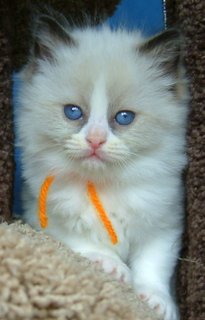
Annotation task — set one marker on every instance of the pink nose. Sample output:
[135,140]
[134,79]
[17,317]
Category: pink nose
[96,142]
[96,138]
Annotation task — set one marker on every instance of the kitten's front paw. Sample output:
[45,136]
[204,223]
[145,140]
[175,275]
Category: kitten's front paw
[162,303]
[110,265]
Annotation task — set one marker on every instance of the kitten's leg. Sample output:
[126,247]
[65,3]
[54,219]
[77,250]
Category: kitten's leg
[107,259]
[152,270]
[110,264]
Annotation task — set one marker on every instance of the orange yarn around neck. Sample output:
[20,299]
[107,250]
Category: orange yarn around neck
[42,202]
[102,214]
[92,193]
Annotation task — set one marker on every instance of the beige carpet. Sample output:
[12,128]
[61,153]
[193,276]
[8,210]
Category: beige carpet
[42,279]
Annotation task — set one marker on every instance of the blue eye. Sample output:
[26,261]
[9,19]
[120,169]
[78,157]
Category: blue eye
[124,117]
[73,112]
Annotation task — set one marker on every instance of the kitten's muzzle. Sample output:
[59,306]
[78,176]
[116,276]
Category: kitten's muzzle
[96,138]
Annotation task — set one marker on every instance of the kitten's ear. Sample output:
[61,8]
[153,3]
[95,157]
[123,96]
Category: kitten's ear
[165,48]
[50,31]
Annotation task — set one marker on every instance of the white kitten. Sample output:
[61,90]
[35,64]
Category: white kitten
[110,107]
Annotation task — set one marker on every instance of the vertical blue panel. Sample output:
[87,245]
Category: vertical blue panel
[141,14]
[17,208]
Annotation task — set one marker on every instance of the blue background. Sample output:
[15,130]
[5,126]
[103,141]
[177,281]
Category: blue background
[146,15]
[141,14]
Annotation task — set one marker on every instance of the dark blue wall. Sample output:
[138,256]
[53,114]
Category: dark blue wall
[146,15]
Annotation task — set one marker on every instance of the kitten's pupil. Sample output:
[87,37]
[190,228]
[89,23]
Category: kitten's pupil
[124,117]
[73,112]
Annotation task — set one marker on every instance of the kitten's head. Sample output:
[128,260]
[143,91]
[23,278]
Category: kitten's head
[95,100]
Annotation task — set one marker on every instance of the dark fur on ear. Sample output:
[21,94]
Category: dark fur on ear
[166,49]
[50,28]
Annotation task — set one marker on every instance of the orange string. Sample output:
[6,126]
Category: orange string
[93,197]
[43,201]
[102,214]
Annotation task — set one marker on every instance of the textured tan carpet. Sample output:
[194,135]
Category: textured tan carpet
[41,279]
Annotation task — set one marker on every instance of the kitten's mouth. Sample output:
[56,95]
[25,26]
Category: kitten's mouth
[93,161]
[95,156]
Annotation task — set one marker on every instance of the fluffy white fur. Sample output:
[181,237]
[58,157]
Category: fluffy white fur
[138,172]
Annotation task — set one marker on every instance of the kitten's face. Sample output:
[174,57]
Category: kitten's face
[96,103]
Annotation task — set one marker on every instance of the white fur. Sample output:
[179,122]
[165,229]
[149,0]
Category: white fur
[139,177]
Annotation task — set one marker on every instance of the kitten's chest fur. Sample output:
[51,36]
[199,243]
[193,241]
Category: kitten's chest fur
[76,207]
[127,206]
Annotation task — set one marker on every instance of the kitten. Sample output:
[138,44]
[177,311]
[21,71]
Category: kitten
[109,107]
